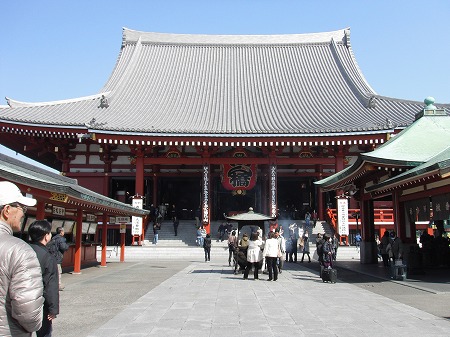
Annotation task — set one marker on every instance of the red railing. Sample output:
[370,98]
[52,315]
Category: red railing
[382,216]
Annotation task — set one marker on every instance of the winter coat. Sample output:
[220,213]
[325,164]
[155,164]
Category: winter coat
[397,248]
[254,253]
[384,244]
[328,251]
[207,243]
[50,278]
[305,244]
[61,245]
[271,248]
[21,282]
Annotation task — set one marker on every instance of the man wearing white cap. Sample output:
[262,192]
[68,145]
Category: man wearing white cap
[21,286]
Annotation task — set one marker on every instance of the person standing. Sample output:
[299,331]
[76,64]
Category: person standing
[281,248]
[396,247]
[176,223]
[327,252]
[319,248]
[306,247]
[307,220]
[358,240]
[271,253]
[21,289]
[383,248]
[40,234]
[207,247]
[232,245]
[155,233]
[254,256]
[57,247]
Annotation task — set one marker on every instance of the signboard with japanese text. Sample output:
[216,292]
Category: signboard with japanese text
[58,211]
[136,225]
[342,212]
[136,221]
[122,219]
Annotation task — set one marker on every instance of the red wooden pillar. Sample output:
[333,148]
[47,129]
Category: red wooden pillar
[320,209]
[40,210]
[78,235]
[155,191]
[122,247]
[104,238]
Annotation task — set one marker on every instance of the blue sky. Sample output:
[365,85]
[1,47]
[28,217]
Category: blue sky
[54,50]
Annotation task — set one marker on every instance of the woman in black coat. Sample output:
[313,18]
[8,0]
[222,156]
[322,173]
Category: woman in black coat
[40,234]
[207,247]
[328,252]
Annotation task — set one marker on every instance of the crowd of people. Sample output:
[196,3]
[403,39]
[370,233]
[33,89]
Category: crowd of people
[268,254]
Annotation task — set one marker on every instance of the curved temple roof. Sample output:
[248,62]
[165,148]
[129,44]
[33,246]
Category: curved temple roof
[228,85]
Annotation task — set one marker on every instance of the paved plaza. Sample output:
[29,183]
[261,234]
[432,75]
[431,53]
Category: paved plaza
[193,298]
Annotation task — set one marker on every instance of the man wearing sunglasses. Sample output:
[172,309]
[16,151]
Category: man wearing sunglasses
[21,287]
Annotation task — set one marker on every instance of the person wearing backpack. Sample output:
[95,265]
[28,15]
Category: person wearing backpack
[57,247]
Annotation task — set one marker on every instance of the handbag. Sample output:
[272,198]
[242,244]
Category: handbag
[398,262]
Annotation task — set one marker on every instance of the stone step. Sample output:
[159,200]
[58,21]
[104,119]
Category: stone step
[345,253]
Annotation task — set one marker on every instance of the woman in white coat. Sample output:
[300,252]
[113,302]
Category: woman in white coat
[271,253]
[254,256]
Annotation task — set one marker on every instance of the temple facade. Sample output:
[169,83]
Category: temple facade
[215,124]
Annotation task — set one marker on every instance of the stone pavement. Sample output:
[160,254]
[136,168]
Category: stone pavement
[191,298]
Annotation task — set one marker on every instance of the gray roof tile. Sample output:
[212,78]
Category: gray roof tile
[293,85]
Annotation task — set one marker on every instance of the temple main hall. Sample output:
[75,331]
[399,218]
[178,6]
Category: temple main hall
[215,124]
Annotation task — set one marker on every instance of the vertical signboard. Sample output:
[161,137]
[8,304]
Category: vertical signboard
[205,207]
[342,212]
[136,221]
[273,190]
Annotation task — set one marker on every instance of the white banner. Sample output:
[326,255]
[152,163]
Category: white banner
[342,214]
[136,221]
[136,225]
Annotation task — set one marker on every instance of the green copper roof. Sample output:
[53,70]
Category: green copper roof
[440,163]
[421,145]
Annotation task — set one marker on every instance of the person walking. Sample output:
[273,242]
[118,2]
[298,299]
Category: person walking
[57,247]
[305,247]
[40,234]
[207,247]
[254,256]
[271,253]
[21,288]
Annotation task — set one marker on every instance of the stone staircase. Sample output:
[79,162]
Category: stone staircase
[184,246]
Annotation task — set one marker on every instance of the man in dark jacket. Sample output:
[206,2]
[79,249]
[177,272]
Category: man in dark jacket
[57,247]
[40,234]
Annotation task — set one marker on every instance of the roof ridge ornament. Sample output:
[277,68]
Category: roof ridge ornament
[93,124]
[103,102]
[387,124]
[430,109]
[371,103]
